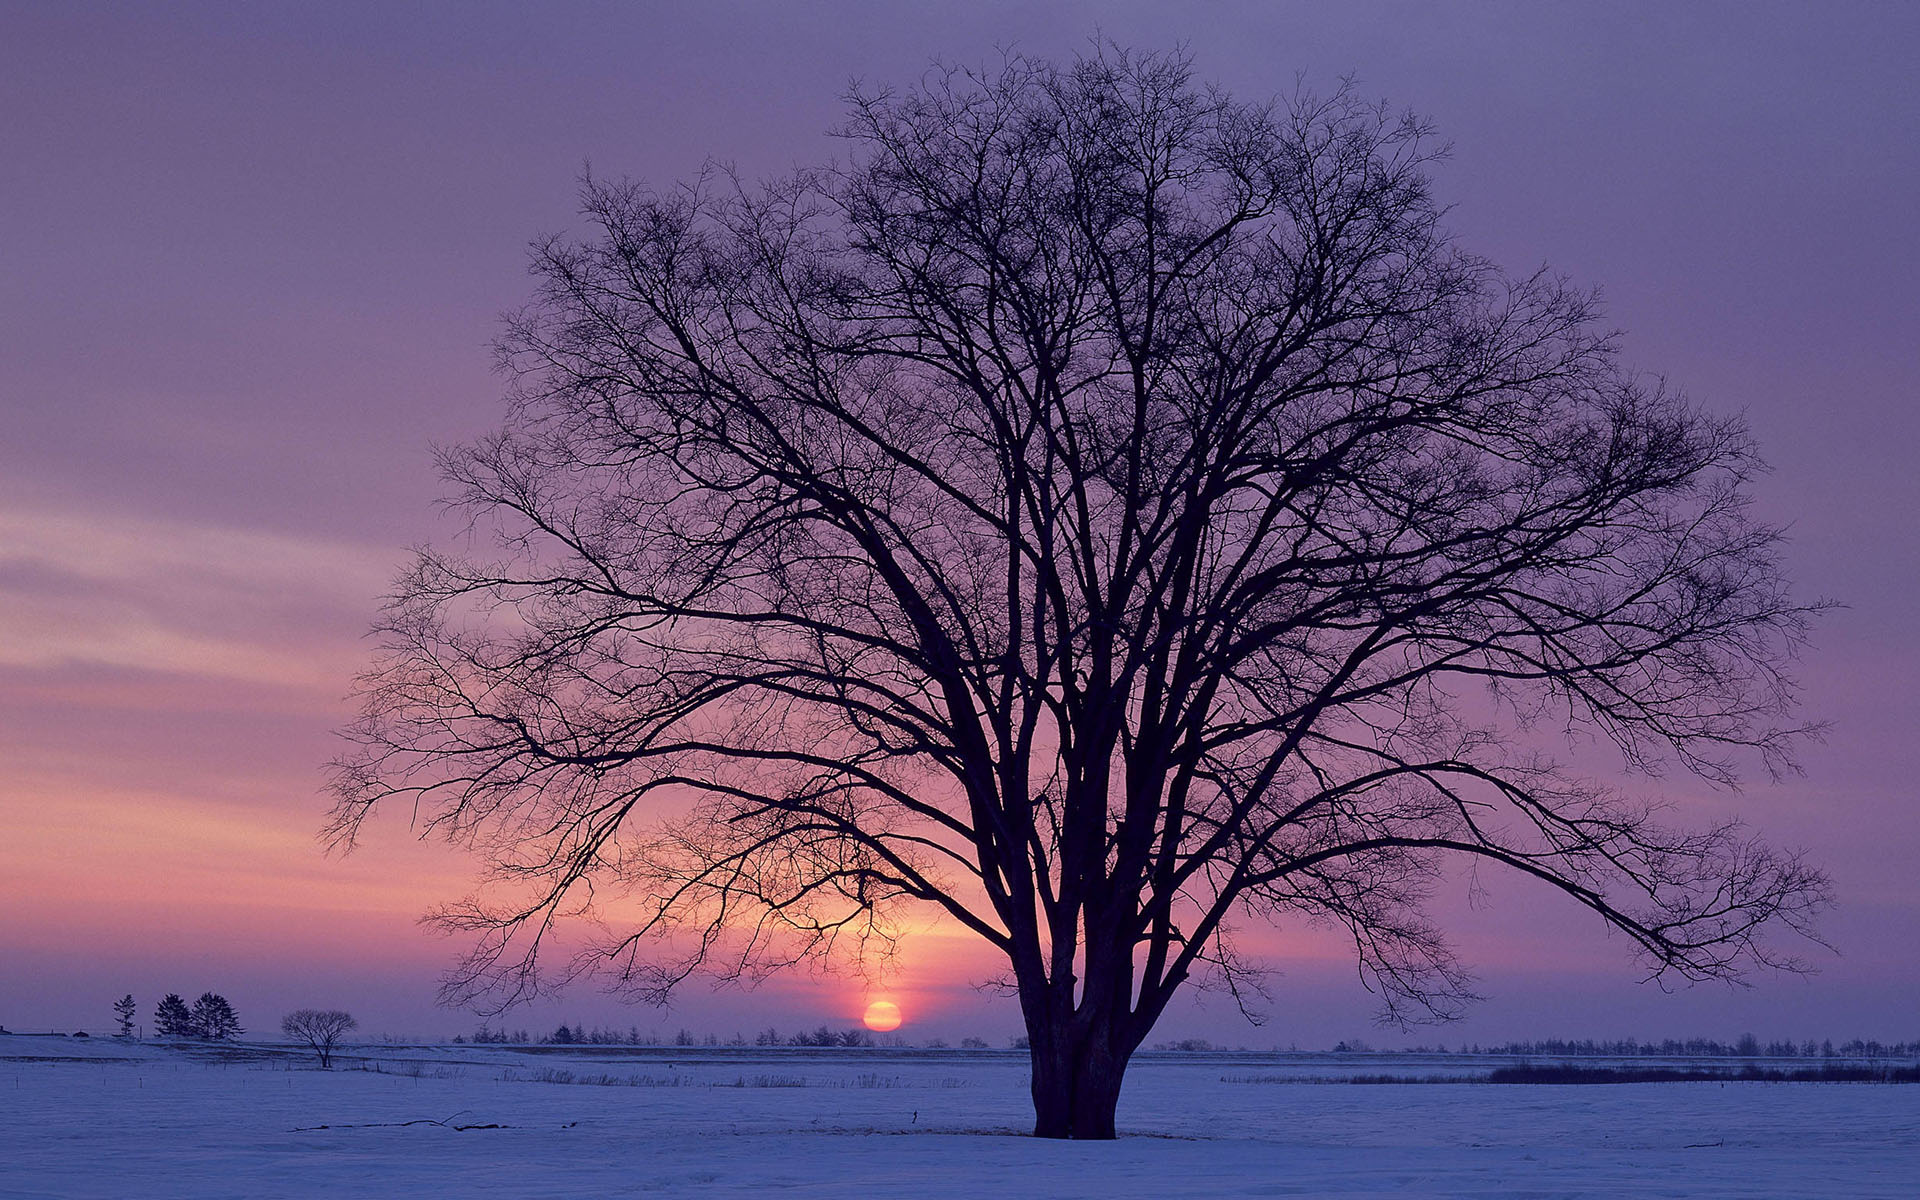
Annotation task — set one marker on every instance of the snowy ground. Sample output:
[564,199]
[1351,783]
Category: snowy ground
[104,1119]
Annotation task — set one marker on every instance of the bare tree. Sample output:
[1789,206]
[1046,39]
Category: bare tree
[320,1028]
[1098,511]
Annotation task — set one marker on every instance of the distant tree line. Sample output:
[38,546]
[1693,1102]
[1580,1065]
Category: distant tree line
[1838,1071]
[564,1035]
[581,1035]
[822,1036]
[1745,1046]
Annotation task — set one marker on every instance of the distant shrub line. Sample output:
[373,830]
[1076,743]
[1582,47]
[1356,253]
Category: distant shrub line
[822,1037]
[1826,1073]
[1567,1073]
[212,1018]
[1745,1046]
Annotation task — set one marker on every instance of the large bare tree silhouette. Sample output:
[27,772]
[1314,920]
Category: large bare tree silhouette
[1101,511]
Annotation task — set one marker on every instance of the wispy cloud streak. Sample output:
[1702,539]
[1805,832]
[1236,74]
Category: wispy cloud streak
[192,600]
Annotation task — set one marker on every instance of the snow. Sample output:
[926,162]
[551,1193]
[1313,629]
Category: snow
[100,1118]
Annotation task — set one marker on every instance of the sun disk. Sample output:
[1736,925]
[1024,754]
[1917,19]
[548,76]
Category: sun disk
[882,1016]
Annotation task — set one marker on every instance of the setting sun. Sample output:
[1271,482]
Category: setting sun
[882,1016]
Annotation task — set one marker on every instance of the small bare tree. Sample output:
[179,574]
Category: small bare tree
[1097,511]
[320,1028]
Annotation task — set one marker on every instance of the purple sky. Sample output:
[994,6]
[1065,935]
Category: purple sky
[252,258]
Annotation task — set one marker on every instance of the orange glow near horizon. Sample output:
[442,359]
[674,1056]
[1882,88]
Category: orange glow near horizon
[882,1016]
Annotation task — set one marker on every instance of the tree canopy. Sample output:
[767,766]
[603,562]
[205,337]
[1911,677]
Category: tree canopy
[1098,510]
[320,1029]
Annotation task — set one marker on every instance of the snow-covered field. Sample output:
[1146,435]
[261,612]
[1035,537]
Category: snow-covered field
[105,1119]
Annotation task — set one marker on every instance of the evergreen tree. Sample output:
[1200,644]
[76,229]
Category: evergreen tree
[171,1018]
[214,1019]
[123,1013]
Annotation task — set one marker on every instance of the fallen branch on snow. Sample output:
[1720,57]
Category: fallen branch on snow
[446,1124]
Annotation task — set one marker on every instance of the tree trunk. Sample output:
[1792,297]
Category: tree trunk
[1076,1086]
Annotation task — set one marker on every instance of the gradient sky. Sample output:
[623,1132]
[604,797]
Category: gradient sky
[251,258]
